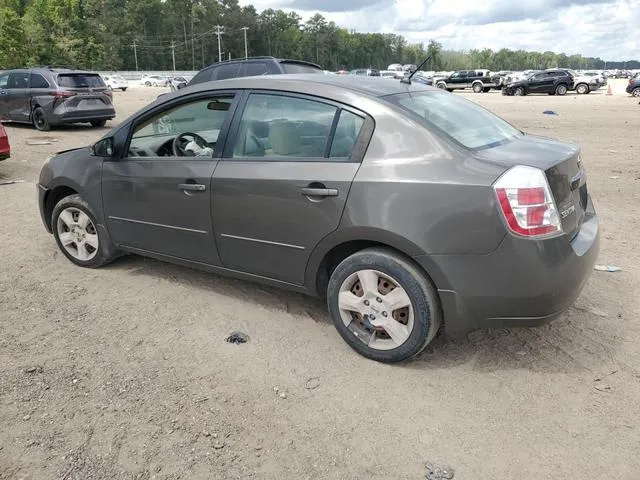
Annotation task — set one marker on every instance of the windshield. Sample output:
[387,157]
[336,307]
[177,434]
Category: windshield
[465,122]
[299,68]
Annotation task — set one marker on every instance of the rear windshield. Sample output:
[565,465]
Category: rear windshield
[465,122]
[80,80]
[299,68]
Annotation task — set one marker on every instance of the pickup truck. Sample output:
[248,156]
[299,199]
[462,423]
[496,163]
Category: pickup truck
[478,80]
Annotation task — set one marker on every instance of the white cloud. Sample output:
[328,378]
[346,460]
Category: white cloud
[604,28]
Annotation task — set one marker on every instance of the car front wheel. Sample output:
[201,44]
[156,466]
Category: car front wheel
[382,305]
[74,227]
[636,92]
[519,92]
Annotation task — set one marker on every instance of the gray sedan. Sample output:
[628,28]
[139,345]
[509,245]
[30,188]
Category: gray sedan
[408,208]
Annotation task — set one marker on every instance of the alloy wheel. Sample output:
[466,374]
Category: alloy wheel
[77,234]
[376,309]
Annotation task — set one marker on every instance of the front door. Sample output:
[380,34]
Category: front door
[158,197]
[18,97]
[539,82]
[283,182]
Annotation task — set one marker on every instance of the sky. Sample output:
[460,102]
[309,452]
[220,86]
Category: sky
[609,29]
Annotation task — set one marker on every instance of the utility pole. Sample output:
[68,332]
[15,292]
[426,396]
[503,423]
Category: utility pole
[193,48]
[218,33]
[246,54]
[173,54]
[135,53]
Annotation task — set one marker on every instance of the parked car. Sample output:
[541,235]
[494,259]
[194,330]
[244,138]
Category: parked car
[633,87]
[116,82]
[50,96]
[369,72]
[5,148]
[391,74]
[253,66]
[478,80]
[154,81]
[552,82]
[583,84]
[178,82]
[291,181]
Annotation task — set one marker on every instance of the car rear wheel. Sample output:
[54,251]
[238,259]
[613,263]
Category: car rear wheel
[74,227]
[40,120]
[561,90]
[636,92]
[99,123]
[382,305]
[477,87]
[518,92]
[582,88]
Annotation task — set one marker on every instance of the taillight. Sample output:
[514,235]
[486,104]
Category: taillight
[63,94]
[526,202]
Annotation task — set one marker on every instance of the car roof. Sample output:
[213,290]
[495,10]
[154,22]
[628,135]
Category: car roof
[371,86]
[252,59]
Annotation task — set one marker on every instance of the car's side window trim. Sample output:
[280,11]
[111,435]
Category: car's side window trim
[359,147]
[180,101]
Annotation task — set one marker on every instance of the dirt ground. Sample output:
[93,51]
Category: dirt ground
[123,372]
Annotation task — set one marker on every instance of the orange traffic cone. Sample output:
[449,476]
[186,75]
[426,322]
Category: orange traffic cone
[609,90]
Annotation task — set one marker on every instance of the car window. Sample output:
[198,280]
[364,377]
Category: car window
[227,71]
[18,80]
[345,136]
[281,127]
[465,122]
[80,80]
[202,117]
[38,81]
[291,67]
[253,69]
[4,79]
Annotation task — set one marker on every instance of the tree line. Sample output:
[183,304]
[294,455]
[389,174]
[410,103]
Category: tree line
[149,34]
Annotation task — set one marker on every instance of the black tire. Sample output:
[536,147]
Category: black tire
[635,92]
[582,89]
[519,92]
[105,252]
[486,89]
[449,90]
[561,89]
[40,120]
[147,84]
[551,93]
[441,85]
[477,87]
[98,123]
[124,89]
[422,294]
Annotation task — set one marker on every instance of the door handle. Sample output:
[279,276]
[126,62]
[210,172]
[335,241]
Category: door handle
[3,92]
[319,192]
[192,187]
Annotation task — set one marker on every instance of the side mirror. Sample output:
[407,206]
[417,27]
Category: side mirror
[181,85]
[104,148]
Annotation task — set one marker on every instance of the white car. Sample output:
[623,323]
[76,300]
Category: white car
[154,81]
[584,84]
[116,82]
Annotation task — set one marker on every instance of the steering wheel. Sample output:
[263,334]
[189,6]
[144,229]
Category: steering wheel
[181,141]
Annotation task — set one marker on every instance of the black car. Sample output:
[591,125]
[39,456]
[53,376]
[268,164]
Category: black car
[251,67]
[634,86]
[478,80]
[552,82]
[52,96]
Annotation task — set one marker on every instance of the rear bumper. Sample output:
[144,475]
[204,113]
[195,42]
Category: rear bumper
[522,283]
[631,88]
[62,114]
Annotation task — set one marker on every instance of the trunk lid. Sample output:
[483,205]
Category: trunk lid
[86,90]
[563,169]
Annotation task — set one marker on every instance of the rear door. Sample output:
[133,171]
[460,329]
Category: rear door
[18,99]
[87,91]
[283,181]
